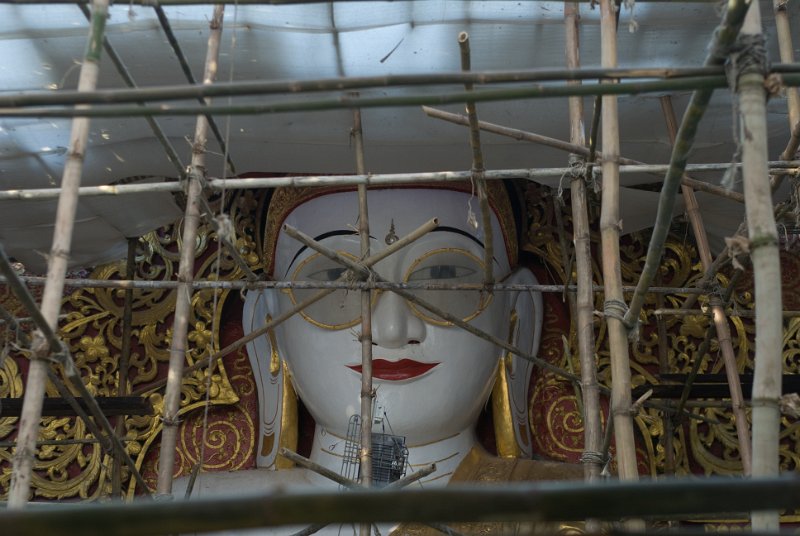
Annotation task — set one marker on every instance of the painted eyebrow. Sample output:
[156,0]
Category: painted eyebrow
[323,236]
[446,229]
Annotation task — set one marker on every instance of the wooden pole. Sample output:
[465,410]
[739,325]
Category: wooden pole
[764,253]
[172,395]
[592,458]
[24,455]
[720,319]
[612,274]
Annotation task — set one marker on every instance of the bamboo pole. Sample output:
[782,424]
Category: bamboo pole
[172,395]
[187,72]
[786,51]
[541,501]
[731,313]
[250,2]
[718,312]
[577,148]
[343,102]
[411,297]
[47,339]
[155,127]
[207,213]
[456,321]
[24,455]
[367,394]
[372,259]
[614,306]
[269,87]
[124,360]
[776,167]
[335,285]
[478,167]
[723,37]
[592,457]
[764,253]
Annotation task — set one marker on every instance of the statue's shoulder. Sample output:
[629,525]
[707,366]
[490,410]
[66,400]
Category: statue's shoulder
[258,480]
[480,466]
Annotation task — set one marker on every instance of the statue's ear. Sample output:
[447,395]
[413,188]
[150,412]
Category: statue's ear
[276,424]
[514,372]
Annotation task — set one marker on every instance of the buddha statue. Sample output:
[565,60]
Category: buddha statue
[431,379]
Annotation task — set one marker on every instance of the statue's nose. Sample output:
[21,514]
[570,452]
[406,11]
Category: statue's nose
[393,323]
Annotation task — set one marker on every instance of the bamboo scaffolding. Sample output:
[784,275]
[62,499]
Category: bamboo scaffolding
[172,395]
[543,501]
[155,127]
[267,87]
[478,168]
[702,350]
[385,179]
[786,51]
[207,213]
[614,305]
[334,285]
[723,38]
[729,312]
[724,256]
[256,2]
[24,455]
[357,267]
[718,312]
[576,148]
[124,359]
[51,346]
[592,457]
[163,20]
[456,321]
[372,259]
[365,337]
[764,253]
[428,98]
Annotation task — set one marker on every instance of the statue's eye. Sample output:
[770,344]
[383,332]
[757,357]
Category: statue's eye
[441,271]
[328,274]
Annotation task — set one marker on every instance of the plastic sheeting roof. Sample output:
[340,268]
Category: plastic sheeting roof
[43,47]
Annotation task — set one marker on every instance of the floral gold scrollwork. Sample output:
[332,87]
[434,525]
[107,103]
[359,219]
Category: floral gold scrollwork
[92,327]
[706,444]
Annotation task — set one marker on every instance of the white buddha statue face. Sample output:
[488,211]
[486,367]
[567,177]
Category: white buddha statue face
[431,379]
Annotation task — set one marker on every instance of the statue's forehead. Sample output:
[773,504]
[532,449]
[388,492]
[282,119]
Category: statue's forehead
[406,209]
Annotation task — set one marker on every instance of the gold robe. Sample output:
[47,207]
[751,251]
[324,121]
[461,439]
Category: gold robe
[481,467]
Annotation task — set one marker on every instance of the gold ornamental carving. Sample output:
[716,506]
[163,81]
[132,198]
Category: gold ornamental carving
[92,327]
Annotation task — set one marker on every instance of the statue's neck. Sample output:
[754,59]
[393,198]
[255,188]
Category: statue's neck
[328,450]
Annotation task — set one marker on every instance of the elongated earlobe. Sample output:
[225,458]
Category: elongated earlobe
[510,394]
[277,401]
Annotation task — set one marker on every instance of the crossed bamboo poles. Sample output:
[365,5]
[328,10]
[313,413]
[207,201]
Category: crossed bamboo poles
[682,143]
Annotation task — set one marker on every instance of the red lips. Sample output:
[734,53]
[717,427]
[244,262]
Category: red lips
[396,371]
